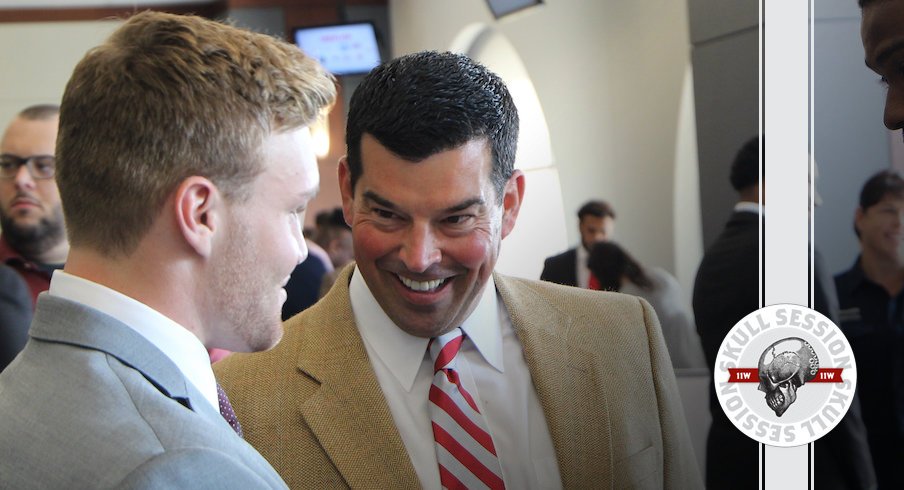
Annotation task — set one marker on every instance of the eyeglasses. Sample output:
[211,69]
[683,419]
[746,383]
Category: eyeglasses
[39,166]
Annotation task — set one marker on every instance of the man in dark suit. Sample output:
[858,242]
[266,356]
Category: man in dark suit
[596,221]
[726,290]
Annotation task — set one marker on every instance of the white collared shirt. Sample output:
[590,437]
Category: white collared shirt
[749,207]
[583,272]
[180,345]
[492,367]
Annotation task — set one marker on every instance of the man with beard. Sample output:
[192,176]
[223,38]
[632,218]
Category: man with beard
[33,239]
[185,166]
[596,222]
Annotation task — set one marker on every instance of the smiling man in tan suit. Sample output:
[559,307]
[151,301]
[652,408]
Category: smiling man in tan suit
[423,367]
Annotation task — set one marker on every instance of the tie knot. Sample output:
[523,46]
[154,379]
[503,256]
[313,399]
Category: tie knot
[444,348]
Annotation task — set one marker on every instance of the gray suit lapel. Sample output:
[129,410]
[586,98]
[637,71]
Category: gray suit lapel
[63,321]
[567,383]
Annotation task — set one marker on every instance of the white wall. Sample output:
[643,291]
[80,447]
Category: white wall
[37,59]
[609,75]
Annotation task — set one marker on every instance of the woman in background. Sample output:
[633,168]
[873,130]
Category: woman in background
[616,270]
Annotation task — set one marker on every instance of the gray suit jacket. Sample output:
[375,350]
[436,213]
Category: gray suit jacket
[91,404]
[314,408]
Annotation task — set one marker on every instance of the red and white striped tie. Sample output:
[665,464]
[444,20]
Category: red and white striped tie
[464,448]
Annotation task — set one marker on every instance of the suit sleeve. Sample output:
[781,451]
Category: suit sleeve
[545,275]
[680,468]
[15,314]
[195,468]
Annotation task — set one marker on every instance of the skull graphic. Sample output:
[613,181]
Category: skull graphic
[784,367]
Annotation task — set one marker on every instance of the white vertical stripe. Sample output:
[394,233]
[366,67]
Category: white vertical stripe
[445,421]
[459,434]
[452,391]
[786,60]
[463,474]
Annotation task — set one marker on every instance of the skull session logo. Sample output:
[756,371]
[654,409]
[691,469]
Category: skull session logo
[785,375]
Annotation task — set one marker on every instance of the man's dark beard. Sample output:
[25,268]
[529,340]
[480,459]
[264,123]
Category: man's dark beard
[32,241]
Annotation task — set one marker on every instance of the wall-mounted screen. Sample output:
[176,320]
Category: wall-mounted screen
[343,49]
[505,7]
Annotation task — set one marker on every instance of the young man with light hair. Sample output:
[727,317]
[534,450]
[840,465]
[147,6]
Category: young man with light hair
[185,166]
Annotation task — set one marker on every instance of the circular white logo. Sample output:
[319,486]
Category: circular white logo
[785,375]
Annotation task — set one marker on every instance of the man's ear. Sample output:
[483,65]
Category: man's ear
[198,206]
[511,201]
[345,189]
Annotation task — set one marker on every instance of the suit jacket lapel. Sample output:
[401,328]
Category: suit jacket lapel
[60,320]
[348,414]
[567,383]
[64,321]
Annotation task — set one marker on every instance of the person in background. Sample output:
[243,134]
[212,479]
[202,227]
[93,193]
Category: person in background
[15,314]
[33,238]
[725,291]
[303,288]
[871,300]
[185,165]
[617,271]
[841,458]
[335,236]
[882,33]
[596,222]
[559,387]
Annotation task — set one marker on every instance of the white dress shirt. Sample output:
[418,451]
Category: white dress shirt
[749,207]
[180,345]
[492,367]
[583,272]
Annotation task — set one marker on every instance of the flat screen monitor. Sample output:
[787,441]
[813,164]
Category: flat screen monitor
[505,7]
[343,49]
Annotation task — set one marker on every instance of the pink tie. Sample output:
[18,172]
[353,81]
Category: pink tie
[227,412]
[464,448]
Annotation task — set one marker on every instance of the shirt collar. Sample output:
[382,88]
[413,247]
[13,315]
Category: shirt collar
[855,279]
[750,207]
[175,341]
[582,254]
[403,353]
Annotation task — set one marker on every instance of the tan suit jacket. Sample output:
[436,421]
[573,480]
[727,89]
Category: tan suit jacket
[313,407]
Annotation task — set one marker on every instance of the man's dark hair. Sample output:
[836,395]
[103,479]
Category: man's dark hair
[609,263]
[881,184]
[426,103]
[864,3]
[40,112]
[745,170]
[330,224]
[600,209]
